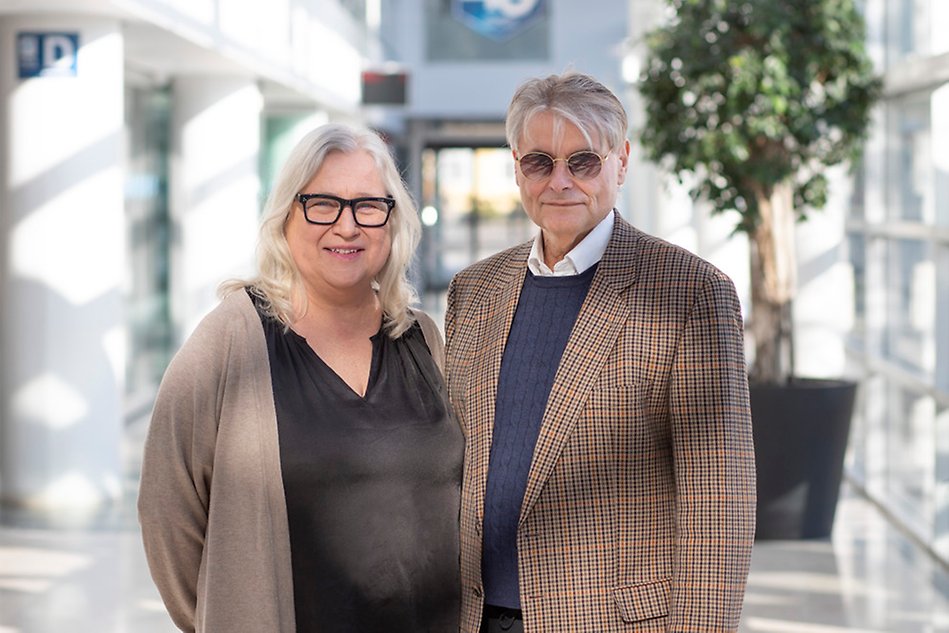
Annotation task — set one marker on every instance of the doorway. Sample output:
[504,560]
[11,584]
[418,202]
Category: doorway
[470,209]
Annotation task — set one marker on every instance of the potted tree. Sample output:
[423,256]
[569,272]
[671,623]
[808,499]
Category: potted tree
[753,100]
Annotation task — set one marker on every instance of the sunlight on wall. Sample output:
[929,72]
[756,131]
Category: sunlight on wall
[67,231]
[262,25]
[209,148]
[324,57]
[220,188]
[50,401]
[337,61]
[71,245]
[74,490]
[44,141]
[114,342]
[221,243]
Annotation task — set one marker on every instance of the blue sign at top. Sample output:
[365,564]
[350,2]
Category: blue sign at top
[498,19]
[47,54]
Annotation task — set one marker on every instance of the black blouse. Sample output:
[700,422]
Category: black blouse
[372,486]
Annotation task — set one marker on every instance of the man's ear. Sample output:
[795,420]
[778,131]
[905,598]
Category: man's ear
[623,156]
[517,169]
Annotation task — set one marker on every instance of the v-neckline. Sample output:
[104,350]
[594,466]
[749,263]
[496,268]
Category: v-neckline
[374,363]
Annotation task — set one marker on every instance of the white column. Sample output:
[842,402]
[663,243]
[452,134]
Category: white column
[215,188]
[63,259]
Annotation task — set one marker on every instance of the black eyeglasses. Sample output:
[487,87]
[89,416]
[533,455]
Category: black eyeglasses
[584,164]
[321,208]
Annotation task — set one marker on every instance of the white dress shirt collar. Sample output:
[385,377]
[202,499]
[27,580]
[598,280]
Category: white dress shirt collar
[588,252]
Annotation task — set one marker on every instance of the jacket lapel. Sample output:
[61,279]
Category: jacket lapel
[603,315]
[495,318]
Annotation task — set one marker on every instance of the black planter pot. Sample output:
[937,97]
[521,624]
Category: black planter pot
[800,432]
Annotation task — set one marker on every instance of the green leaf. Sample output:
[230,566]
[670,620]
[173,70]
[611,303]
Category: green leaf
[743,94]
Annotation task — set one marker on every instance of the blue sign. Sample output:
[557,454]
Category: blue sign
[47,54]
[498,19]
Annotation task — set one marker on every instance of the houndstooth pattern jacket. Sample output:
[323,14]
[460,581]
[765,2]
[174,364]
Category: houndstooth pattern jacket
[640,503]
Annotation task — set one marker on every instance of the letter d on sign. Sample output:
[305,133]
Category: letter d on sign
[59,53]
[47,54]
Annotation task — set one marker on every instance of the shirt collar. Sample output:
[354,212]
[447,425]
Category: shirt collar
[588,252]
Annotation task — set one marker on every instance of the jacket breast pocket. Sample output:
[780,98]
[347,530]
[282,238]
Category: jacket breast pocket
[630,398]
[643,601]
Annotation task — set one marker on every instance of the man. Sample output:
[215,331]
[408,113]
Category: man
[599,375]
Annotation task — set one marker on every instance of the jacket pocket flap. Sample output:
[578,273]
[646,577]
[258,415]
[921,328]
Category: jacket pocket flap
[644,601]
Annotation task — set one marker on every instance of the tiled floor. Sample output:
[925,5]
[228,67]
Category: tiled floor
[867,578]
[88,574]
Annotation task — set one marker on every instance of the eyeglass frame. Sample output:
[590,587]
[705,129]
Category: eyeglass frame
[302,198]
[553,163]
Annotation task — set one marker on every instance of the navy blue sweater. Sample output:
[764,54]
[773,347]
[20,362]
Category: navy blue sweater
[546,311]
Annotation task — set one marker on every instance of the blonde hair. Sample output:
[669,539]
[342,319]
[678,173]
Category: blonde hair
[570,96]
[278,282]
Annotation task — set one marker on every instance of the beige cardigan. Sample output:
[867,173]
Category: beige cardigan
[211,501]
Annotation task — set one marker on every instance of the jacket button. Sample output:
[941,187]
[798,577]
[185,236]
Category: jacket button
[476,591]
[478,529]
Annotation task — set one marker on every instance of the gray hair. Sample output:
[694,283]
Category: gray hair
[278,283]
[574,97]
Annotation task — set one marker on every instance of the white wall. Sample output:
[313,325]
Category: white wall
[62,231]
[482,89]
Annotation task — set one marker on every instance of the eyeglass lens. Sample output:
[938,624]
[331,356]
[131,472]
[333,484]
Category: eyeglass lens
[582,165]
[326,210]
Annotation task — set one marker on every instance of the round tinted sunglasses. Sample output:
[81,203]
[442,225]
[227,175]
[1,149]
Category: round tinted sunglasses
[584,164]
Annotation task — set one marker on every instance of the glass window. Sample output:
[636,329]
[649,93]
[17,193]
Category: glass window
[356,8]
[911,168]
[909,27]
[911,456]
[900,265]
[941,501]
[856,247]
[857,210]
[149,237]
[280,134]
[942,319]
[475,208]
[911,305]
[868,438]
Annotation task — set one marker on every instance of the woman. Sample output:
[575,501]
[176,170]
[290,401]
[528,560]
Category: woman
[302,469]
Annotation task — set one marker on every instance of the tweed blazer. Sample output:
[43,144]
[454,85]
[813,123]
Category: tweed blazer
[640,501]
[211,501]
